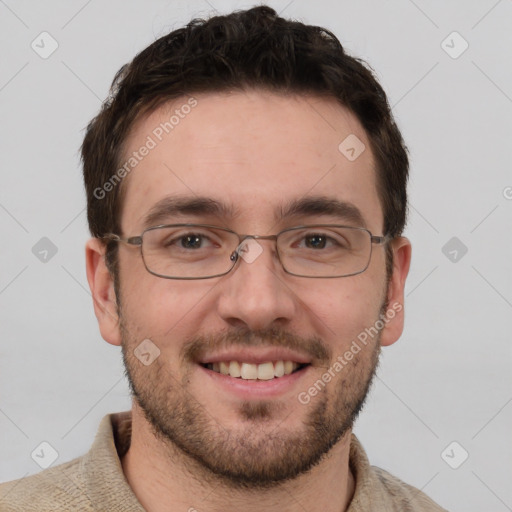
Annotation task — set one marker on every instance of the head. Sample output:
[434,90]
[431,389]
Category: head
[238,122]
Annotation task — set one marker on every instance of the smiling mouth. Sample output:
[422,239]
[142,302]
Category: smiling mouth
[248,371]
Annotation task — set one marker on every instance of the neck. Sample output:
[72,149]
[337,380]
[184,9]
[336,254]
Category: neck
[163,475]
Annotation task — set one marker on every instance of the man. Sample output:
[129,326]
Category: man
[246,189]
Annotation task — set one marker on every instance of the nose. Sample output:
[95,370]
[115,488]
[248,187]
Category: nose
[256,294]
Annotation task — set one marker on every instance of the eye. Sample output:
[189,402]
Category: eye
[319,241]
[316,241]
[324,241]
[189,241]
[192,241]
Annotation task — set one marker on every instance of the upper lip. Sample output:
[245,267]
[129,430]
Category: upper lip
[256,356]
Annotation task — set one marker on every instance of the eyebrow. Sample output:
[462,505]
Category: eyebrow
[173,206]
[321,205]
[184,205]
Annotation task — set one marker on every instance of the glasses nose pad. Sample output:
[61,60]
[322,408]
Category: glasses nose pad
[242,247]
[236,253]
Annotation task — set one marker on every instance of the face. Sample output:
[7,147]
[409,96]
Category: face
[253,156]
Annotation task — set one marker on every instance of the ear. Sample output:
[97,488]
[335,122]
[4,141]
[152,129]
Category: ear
[101,284]
[395,313]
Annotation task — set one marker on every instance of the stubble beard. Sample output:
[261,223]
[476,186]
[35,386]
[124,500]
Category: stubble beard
[258,453]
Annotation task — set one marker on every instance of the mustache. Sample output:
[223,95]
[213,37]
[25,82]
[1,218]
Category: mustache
[196,347]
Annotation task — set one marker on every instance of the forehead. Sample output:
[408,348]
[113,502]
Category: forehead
[254,153]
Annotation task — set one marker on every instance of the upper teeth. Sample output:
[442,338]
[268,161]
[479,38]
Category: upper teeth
[263,371]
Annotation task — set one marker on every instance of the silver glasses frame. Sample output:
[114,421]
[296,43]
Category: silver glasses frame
[235,255]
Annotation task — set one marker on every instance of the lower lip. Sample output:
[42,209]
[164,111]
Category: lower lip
[252,388]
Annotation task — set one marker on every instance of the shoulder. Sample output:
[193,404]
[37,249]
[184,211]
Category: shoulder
[60,486]
[94,481]
[376,489]
[402,496]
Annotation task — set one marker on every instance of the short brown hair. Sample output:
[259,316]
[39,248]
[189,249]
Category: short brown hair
[254,48]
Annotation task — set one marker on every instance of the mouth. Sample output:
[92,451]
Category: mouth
[269,370]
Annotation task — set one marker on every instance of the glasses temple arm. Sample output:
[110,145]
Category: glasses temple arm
[133,240]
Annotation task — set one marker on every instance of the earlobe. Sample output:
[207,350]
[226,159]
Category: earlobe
[102,289]
[395,313]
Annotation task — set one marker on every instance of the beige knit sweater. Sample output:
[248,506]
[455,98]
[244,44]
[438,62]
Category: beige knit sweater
[95,481]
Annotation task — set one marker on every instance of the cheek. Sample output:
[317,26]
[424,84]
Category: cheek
[340,313]
[161,309]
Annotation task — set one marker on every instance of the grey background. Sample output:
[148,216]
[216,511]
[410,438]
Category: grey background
[448,378]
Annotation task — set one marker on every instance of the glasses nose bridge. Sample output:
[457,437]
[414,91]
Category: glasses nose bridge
[243,238]
[259,237]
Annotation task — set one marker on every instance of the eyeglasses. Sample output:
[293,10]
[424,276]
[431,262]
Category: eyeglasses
[202,251]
